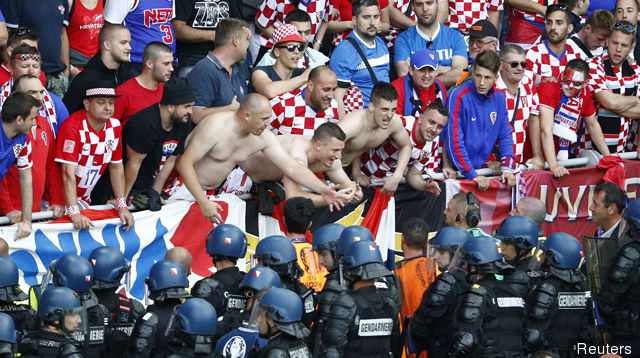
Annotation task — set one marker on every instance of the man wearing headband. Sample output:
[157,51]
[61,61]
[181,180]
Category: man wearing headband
[563,105]
[89,142]
[26,60]
[151,157]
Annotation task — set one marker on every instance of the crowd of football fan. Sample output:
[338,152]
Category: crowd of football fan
[187,99]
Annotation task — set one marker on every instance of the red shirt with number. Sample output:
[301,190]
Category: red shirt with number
[89,150]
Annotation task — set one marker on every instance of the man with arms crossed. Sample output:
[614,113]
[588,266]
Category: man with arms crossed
[222,140]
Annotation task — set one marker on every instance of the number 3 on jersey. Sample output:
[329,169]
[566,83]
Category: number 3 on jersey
[168,37]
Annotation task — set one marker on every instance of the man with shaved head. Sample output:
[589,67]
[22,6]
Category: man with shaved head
[532,208]
[4,247]
[224,139]
[182,256]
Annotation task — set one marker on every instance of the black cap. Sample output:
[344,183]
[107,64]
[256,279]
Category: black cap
[177,91]
[101,89]
[483,28]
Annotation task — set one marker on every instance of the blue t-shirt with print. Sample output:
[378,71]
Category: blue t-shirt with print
[349,66]
[447,43]
[8,149]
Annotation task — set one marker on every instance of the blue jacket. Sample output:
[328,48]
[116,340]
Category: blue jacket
[476,123]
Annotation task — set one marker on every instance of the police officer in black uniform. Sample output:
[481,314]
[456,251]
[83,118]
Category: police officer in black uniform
[519,238]
[240,338]
[60,312]
[278,253]
[431,327]
[619,297]
[24,317]
[489,318]
[279,321]
[192,329]
[109,266]
[75,272]
[167,286]
[226,243]
[559,310]
[363,322]
[258,278]
[8,336]
[324,243]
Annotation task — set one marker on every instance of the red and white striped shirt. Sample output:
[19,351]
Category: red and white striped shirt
[272,13]
[403,6]
[541,62]
[79,144]
[382,161]
[292,115]
[528,105]
[463,14]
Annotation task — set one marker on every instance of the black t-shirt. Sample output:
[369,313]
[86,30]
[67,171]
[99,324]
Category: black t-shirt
[144,134]
[202,15]
[273,75]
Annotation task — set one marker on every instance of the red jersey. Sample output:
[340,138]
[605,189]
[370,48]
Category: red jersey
[45,173]
[426,96]
[79,144]
[84,27]
[134,98]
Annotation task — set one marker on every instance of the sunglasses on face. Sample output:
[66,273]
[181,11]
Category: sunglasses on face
[626,28]
[516,64]
[293,47]
[567,81]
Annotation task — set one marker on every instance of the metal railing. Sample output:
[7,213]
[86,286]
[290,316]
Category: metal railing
[587,158]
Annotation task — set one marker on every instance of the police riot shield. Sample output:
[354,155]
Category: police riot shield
[598,254]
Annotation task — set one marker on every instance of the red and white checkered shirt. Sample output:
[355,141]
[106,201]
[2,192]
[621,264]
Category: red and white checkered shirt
[403,6]
[541,62]
[382,161]
[79,144]
[580,50]
[23,155]
[463,14]
[531,16]
[528,105]
[292,115]
[600,81]
[272,13]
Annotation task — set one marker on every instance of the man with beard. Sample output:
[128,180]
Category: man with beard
[548,58]
[424,133]
[614,82]
[320,153]
[428,33]
[369,128]
[440,297]
[223,140]
[522,100]
[146,88]
[365,64]
[302,112]
[151,157]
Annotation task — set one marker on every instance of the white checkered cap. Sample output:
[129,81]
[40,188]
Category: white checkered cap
[101,92]
[286,33]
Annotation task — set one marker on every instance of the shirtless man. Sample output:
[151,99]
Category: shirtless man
[371,127]
[321,154]
[223,139]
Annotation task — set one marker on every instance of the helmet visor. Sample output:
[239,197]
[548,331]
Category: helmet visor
[457,261]
[75,321]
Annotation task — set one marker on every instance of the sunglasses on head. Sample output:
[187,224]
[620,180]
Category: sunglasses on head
[22,31]
[26,57]
[430,45]
[556,7]
[515,64]
[567,81]
[626,28]
[292,47]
